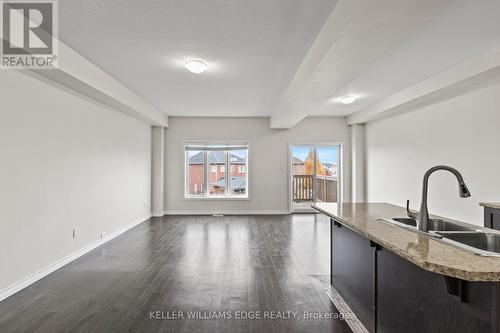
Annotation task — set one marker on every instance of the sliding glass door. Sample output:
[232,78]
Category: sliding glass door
[302,177]
[314,175]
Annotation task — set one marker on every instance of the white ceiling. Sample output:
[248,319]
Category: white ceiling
[282,58]
[253,48]
[459,30]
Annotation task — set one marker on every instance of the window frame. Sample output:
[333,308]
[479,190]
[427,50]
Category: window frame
[206,169]
[340,168]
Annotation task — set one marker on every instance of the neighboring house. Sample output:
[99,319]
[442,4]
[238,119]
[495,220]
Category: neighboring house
[216,173]
[238,185]
[304,168]
[332,169]
[298,166]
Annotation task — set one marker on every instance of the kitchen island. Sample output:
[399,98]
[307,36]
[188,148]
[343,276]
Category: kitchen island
[397,280]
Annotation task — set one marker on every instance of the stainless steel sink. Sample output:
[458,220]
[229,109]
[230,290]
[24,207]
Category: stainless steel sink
[479,242]
[488,244]
[434,225]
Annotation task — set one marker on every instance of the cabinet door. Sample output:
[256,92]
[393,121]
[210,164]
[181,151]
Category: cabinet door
[353,272]
[492,218]
[412,300]
[495,221]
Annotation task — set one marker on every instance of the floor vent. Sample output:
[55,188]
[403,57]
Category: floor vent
[354,323]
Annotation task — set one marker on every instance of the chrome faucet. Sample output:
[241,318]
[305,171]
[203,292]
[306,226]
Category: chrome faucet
[422,216]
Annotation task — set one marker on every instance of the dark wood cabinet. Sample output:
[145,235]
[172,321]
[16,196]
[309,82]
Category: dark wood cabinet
[392,295]
[410,299]
[353,272]
[492,218]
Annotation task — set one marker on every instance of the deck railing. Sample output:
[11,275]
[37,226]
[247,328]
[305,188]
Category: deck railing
[303,188]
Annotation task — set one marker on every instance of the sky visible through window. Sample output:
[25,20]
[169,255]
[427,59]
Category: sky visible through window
[240,153]
[325,154]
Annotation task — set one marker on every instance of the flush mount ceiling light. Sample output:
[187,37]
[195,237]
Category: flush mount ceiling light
[347,99]
[196,66]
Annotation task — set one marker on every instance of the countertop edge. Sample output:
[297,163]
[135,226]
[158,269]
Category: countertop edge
[428,266]
[494,205]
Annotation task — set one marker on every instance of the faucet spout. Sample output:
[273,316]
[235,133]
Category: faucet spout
[464,191]
[423,214]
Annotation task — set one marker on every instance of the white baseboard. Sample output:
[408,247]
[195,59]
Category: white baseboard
[157,214]
[227,212]
[18,286]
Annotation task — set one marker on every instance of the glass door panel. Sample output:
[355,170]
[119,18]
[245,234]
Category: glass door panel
[302,177]
[315,175]
[327,170]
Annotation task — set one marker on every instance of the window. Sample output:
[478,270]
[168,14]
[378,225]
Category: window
[216,170]
[238,160]
[195,173]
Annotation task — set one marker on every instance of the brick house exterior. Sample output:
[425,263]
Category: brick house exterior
[216,172]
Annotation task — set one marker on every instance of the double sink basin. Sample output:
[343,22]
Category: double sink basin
[477,241]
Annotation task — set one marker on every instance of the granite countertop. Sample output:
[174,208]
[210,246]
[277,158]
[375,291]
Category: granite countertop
[427,253]
[495,205]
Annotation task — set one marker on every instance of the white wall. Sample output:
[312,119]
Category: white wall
[463,132]
[268,151]
[65,163]
[358,141]
[157,171]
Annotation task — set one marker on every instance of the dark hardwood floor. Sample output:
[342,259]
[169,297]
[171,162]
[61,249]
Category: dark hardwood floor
[188,264]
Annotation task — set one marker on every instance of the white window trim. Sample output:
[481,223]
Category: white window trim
[227,196]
